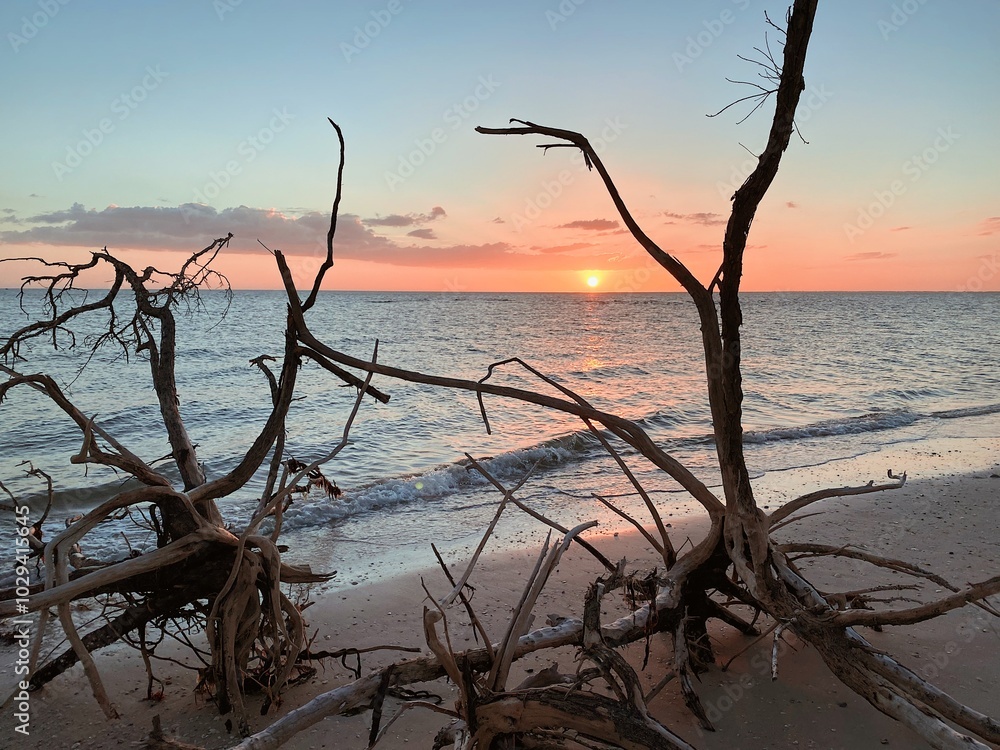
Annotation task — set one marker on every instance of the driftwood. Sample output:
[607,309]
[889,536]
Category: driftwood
[253,626]
[228,583]
[737,557]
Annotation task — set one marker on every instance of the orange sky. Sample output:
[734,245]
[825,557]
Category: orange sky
[892,185]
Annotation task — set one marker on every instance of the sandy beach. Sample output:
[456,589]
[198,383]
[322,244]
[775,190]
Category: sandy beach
[944,519]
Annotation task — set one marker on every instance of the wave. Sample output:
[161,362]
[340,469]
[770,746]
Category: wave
[508,468]
[969,411]
[68,502]
[873,422]
[911,394]
[451,479]
[609,371]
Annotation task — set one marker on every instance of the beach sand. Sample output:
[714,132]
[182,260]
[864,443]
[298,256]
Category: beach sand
[945,519]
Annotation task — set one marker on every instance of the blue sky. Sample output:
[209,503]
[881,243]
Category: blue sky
[151,107]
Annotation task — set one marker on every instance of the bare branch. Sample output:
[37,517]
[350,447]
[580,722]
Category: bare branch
[577,140]
[800,502]
[123,459]
[509,495]
[628,431]
[972,593]
[328,261]
[343,374]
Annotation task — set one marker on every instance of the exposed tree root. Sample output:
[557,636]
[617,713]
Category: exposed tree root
[256,633]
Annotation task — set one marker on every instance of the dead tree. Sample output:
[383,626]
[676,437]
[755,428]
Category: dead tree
[737,558]
[229,582]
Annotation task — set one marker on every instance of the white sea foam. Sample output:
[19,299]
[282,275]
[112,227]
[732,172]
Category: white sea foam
[846,426]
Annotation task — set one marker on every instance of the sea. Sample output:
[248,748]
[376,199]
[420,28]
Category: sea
[826,377]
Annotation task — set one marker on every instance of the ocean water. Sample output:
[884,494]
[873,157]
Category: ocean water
[826,376]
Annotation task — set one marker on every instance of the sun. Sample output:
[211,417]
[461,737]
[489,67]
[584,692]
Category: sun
[593,281]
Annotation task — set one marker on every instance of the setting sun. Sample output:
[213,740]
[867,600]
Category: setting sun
[593,281]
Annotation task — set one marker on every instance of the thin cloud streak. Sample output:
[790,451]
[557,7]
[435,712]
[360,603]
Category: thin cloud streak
[989,226]
[705,218]
[594,225]
[405,220]
[874,255]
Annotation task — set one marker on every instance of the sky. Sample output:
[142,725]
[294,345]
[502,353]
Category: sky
[151,128]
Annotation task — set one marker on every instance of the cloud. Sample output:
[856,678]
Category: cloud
[405,220]
[192,226]
[705,218]
[791,204]
[562,248]
[873,255]
[990,225]
[590,224]
[183,227]
[423,234]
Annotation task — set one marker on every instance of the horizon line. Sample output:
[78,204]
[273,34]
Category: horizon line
[593,292]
